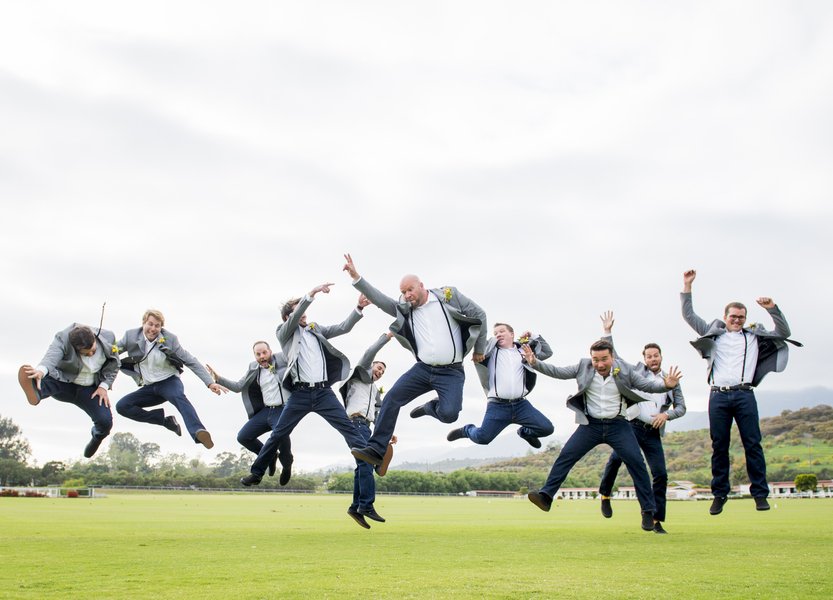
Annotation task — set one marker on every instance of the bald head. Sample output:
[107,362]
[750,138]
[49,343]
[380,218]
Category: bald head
[413,291]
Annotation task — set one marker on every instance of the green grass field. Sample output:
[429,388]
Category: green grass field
[192,545]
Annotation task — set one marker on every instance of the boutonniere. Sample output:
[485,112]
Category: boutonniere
[524,340]
[271,368]
[447,294]
[616,371]
[114,349]
[381,390]
[752,325]
[311,326]
[161,339]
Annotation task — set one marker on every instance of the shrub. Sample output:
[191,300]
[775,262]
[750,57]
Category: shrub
[72,493]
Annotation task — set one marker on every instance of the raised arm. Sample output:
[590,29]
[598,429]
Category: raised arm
[548,369]
[234,386]
[781,327]
[385,303]
[367,358]
[695,322]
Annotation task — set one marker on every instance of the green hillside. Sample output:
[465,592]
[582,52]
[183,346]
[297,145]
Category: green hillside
[795,442]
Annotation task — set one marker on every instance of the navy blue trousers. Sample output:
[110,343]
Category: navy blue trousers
[650,441]
[741,406]
[264,421]
[616,433]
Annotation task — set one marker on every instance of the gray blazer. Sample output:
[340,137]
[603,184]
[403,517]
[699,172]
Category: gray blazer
[674,404]
[773,351]
[624,374]
[470,316]
[289,335]
[538,345]
[64,363]
[133,343]
[249,385]
[363,372]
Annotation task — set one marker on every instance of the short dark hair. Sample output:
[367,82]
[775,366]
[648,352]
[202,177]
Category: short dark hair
[733,305]
[507,325]
[380,362]
[288,307]
[81,338]
[651,345]
[261,342]
[601,345]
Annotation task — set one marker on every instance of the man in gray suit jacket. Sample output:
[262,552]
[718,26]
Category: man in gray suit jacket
[79,368]
[739,356]
[313,366]
[155,359]
[648,423]
[605,391]
[506,379]
[264,396]
[362,399]
[440,326]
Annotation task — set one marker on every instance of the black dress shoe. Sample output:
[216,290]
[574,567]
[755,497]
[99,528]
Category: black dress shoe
[372,514]
[658,528]
[607,509]
[171,424]
[648,520]
[419,411]
[717,505]
[541,500]
[455,434]
[354,514]
[273,466]
[368,455]
[250,479]
[530,439]
[92,447]
[286,473]
[761,503]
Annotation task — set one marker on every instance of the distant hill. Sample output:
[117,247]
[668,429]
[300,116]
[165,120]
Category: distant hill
[770,404]
[794,442]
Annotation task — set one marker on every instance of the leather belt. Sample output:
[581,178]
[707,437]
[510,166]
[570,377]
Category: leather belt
[301,385]
[732,388]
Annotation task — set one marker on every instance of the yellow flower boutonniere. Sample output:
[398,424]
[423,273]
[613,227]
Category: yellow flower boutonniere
[447,294]
[311,326]
[616,371]
[381,390]
[271,368]
[523,340]
[114,349]
[161,339]
[752,326]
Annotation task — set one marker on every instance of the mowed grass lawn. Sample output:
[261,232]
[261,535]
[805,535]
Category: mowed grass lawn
[239,546]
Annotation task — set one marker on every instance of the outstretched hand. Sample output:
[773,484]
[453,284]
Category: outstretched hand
[672,379]
[214,374]
[350,267]
[688,278]
[363,301]
[217,388]
[607,321]
[529,355]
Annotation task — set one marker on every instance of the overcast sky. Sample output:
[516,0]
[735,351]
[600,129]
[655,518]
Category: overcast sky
[551,160]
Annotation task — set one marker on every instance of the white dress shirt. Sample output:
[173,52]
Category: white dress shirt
[653,402]
[311,366]
[90,365]
[155,367]
[438,337]
[270,387]
[730,350]
[361,399]
[506,374]
[602,397]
